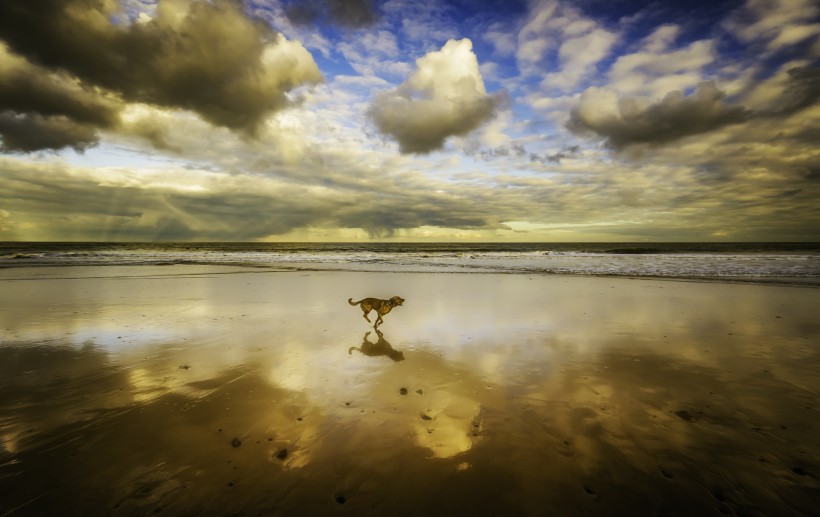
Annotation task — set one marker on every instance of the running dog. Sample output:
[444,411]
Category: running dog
[381,307]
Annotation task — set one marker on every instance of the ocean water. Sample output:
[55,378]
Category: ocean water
[790,263]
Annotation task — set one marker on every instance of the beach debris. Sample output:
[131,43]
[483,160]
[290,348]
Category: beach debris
[236,442]
[589,490]
[403,391]
[477,425]
[282,454]
[717,493]
[184,367]
[684,415]
[425,416]
[420,392]
[341,499]
[665,472]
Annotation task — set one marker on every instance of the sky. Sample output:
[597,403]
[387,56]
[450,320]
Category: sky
[409,120]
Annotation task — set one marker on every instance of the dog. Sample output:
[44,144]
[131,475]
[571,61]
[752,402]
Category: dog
[379,348]
[381,307]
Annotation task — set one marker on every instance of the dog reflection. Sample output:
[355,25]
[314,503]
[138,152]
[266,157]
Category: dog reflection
[380,347]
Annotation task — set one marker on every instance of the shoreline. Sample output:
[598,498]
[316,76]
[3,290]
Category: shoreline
[527,394]
[285,267]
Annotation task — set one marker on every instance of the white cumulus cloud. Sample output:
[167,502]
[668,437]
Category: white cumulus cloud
[443,97]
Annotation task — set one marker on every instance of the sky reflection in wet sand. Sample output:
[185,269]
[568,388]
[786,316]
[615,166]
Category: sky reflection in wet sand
[526,395]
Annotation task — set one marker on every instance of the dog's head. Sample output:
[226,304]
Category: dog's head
[396,301]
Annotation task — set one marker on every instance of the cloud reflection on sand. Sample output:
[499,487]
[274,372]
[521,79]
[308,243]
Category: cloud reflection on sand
[697,399]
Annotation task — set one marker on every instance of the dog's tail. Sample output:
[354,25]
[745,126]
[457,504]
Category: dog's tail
[351,349]
[351,302]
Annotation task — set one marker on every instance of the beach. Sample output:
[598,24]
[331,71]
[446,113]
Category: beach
[221,390]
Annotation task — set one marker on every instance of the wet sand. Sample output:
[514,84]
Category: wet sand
[185,390]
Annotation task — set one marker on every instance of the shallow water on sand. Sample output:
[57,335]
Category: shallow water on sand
[216,391]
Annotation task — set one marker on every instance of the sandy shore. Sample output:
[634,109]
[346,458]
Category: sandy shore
[186,390]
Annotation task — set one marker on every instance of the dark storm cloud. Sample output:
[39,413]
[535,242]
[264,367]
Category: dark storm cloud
[674,117]
[25,88]
[78,207]
[75,205]
[501,151]
[206,57]
[43,110]
[351,14]
[802,90]
[567,152]
[519,151]
[32,132]
[385,218]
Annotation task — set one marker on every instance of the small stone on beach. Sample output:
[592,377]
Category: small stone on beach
[665,472]
[403,391]
[236,442]
[282,454]
[684,415]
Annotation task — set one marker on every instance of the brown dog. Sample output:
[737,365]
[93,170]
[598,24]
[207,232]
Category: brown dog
[381,307]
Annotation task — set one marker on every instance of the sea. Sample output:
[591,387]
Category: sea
[796,263]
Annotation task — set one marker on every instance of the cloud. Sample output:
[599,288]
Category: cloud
[656,67]
[578,56]
[25,87]
[421,25]
[205,57]
[76,203]
[501,38]
[444,97]
[33,132]
[556,31]
[775,23]
[802,90]
[374,53]
[353,14]
[40,109]
[626,121]
[571,151]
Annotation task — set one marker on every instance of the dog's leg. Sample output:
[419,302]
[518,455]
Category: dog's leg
[365,315]
[379,320]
